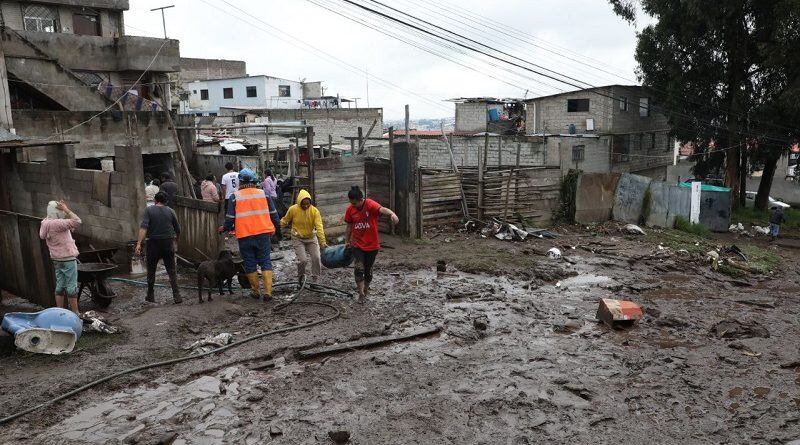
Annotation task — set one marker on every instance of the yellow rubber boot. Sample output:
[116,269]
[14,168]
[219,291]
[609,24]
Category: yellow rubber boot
[252,278]
[266,276]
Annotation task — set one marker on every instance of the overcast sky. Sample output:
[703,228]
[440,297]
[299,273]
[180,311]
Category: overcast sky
[297,39]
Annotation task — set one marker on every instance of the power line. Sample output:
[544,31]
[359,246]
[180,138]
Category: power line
[518,65]
[296,42]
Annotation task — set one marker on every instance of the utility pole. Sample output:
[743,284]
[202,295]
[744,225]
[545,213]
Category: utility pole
[163,20]
[367,73]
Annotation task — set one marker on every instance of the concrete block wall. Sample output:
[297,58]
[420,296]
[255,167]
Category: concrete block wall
[99,136]
[337,122]
[471,117]
[33,185]
[205,69]
[434,153]
[550,115]
[596,153]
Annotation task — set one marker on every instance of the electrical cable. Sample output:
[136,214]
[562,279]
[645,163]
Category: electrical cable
[337,313]
[391,18]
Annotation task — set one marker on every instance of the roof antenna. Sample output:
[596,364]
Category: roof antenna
[526,95]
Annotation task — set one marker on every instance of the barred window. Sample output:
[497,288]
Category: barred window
[578,152]
[40,18]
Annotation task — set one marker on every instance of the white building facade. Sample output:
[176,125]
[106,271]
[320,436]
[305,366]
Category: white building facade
[206,97]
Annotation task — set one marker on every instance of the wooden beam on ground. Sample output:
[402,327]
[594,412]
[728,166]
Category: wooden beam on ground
[368,342]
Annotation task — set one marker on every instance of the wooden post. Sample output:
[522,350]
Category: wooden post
[449,141]
[291,155]
[311,155]
[481,162]
[353,147]
[408,118]
[178,144]
[330,146]
[391,177]
[364,141]
[360,140]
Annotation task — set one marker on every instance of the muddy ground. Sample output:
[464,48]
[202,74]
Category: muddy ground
[519,359]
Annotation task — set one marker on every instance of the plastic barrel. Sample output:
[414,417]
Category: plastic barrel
[334,257]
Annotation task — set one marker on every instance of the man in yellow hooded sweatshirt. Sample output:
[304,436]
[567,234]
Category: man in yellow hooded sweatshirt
[308,235]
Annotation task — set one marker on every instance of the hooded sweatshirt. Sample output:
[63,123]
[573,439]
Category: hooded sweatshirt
[304,222]
[58,235]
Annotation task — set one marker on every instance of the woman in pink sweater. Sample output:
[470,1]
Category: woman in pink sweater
[56,230]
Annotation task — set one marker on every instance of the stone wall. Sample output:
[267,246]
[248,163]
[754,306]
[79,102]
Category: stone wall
[110,204]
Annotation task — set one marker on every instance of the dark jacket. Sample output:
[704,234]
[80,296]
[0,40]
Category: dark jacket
[777,216]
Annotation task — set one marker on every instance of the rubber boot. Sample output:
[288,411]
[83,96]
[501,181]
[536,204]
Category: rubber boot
[252,278]
[266,276]
[176,291]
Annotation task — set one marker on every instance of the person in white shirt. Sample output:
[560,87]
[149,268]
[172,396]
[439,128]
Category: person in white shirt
[230,183]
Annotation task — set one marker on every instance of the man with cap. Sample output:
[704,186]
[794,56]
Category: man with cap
[248,216]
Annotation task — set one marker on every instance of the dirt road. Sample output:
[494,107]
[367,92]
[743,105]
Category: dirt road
[520,358]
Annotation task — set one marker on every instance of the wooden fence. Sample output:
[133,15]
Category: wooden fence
[531,192]
[332,179]
[199,221]
[25,260]
[440,197]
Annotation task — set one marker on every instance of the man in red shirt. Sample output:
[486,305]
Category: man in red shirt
[362,236]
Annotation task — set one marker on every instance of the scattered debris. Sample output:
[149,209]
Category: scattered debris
[737,251]
[618,313]
[441,266]
[759,303]
[51,331]
[92,321]
[480,322]
[554,253]
[541,233]
[339,436]
[736,228]
[367,342]
[713,257]
[210,343]
[633,229]
[735,329]
[761,230]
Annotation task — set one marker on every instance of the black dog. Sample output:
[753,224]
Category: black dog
[216,272]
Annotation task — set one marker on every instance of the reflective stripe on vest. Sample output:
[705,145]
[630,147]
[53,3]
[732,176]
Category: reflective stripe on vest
[252,213]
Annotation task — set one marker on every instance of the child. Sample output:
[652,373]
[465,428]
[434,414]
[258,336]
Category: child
[775,221]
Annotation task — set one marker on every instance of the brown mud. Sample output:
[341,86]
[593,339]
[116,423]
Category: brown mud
[520,358]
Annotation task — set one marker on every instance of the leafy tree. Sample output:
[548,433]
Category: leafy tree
[725,71]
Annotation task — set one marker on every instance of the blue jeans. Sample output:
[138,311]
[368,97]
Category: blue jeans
[254,251]
[66,277]
[774,229]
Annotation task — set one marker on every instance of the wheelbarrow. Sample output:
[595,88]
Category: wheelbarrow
[92,278]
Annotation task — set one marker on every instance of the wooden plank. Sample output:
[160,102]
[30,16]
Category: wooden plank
[367,342]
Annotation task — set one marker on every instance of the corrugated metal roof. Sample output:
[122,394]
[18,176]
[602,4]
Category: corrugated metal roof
[7,136]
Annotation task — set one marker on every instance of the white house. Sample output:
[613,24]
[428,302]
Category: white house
[206,97]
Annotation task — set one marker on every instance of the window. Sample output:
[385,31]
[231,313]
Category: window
[227,93]
[577,105]
[203,94]
[252,92]
[40,18]
[194,91]
[644,106]
[284,91]
[578,152]
[86,24]
[623,103]
[622,147]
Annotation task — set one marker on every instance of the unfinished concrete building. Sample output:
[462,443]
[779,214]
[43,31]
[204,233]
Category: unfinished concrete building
[615,128]
[68,73]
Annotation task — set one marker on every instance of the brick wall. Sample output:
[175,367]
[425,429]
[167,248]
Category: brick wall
[205,69]
[339,123]
[33,185]
[551,115]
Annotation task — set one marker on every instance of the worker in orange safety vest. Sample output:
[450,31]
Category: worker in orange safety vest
[248,215]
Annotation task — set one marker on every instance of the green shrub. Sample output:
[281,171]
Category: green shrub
[566,210]
[698,229]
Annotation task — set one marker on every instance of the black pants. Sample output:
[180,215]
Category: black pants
[363,264]
[160,249]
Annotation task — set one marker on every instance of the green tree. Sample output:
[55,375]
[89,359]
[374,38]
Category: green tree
[726,71]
